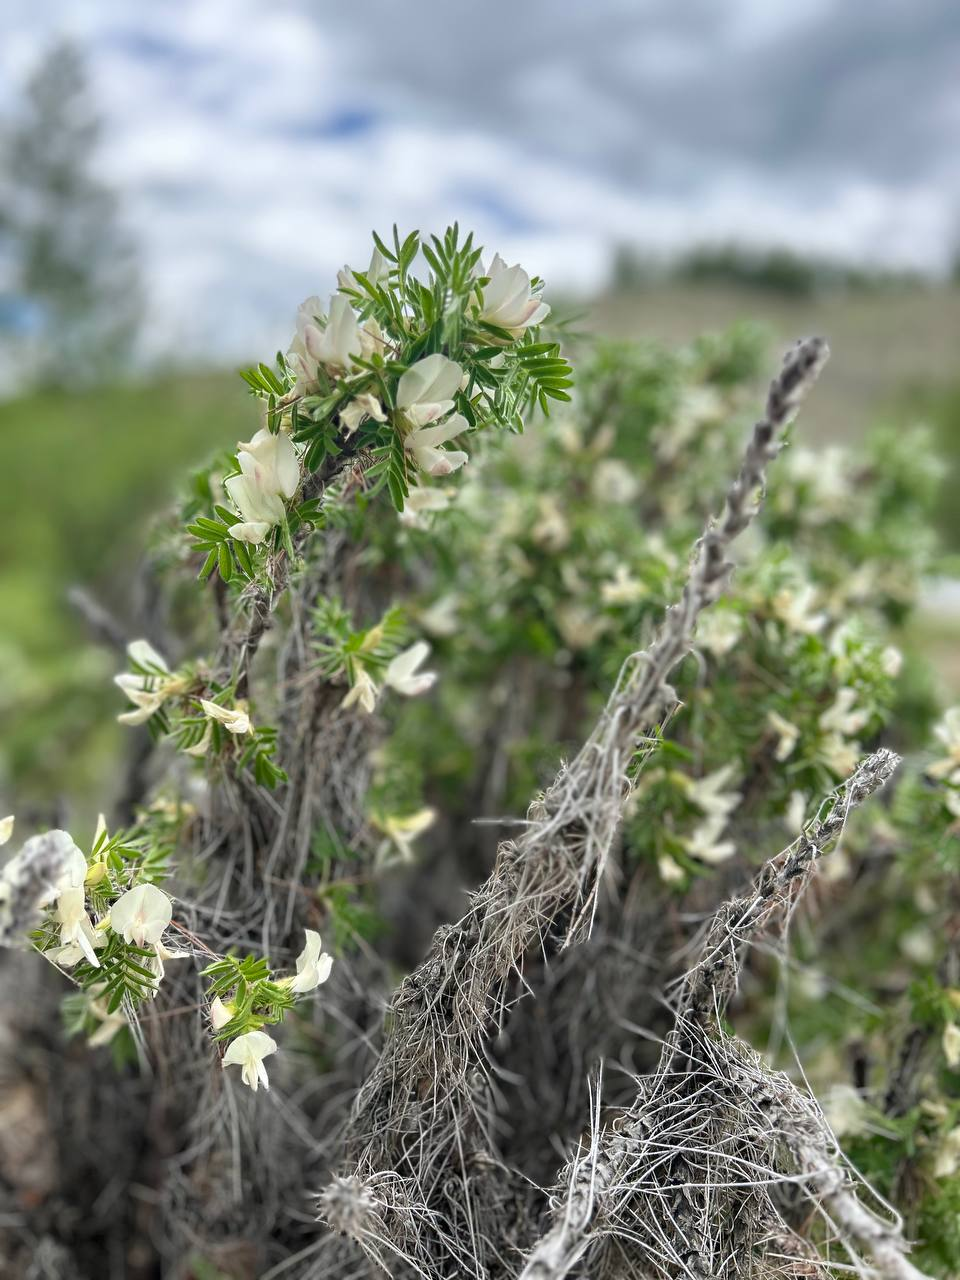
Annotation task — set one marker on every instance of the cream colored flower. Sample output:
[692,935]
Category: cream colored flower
[378,270]
[149,687]
[843,716]
[248,1052]
[579,626]
[110,1023]
[704,841]
[141,914]
[424,444]
[313,966]
[508,298]
[158,961]
[220,1013]
[423,500]
[708,793]
[670,870]
[403,675]
[839,755]
[947,1160]
[719,630]
[947,733]
[363,692]
[338,342]
[6,828]
[358,410]
[622,588]
[269,472]
[552,529]
[613,481]
[426,390]
[234,719]
[845,1110]
[951,1044]
[788,735]
[401,833]
[77,935]
[794,607]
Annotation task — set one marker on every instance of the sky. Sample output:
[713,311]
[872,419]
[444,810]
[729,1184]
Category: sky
[256,142]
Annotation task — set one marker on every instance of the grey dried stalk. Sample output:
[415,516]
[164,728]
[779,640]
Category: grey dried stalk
[707,1133]
[29,881]
[441,1013]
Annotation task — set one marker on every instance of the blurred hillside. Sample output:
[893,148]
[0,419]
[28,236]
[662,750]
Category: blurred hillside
[892,351]
[83,476]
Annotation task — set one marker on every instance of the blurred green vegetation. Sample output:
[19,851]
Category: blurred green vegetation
[83,474]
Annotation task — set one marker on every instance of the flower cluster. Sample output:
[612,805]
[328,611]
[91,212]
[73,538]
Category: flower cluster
[246,996]
[377,385]
[102,920]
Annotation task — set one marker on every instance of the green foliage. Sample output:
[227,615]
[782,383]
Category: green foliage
[251,994]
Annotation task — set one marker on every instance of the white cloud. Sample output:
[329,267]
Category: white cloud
[257,144]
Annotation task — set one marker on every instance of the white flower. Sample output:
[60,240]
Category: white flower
[845,1110]
[788,735]
[423,500]
[402,831]
[707,792]
[579,625]
[891,661]
[613,481]
[670,870]
[336,344]
[951,1044]
[363,691]
[947,732]
[842,717]
[269,472]
[377,271]
[6,828]
[402,674]
[220,1014]
[313,967]
[149,688]
[719,630]
[77,934]
[234,719]
[248,1052]
[552,530]
[424,444]
[704,841]
[508,300]
[141,914]
[309,317]
[146,703]
[623,587]
[796,811]
[361,407]
[145,655]
[839,755]
[110,1023]
[199,749]
[440,619]
[795,609]
[426,390]
[157,962]
[947,1161]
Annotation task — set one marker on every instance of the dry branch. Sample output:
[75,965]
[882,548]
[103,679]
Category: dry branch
[680,1185]
[425,1082]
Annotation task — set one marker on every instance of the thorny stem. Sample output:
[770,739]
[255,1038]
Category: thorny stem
[240,644]
[598,1186]
[440,1013]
